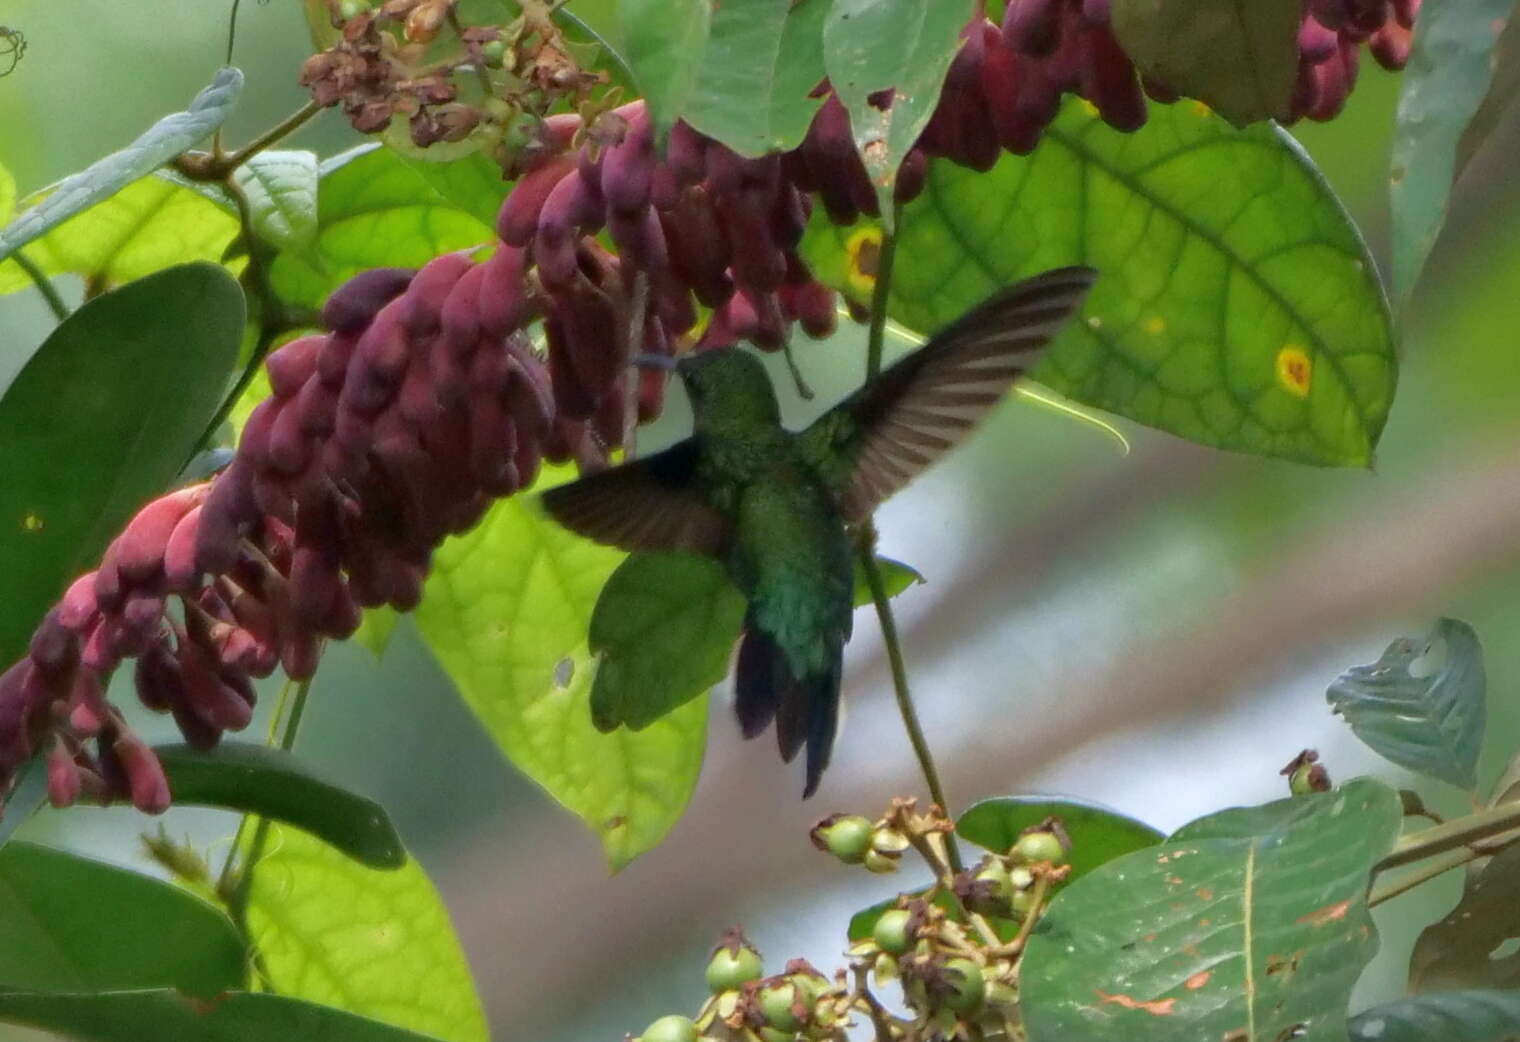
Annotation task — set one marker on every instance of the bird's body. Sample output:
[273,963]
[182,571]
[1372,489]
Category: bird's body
[775,506]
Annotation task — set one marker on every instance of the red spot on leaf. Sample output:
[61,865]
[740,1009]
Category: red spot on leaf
[1326,915]
[1204,893]
[1197,980]
[1155,1007]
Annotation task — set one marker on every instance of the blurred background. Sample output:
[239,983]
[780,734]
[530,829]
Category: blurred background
[1154,630]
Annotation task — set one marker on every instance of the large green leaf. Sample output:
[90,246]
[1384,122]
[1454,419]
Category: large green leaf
[1422,704]
[763,58]
[7,194]
[152,224]
[376,943]
[1449,70]
[121,391]
[507,613]
[1236,304]
[72,924]
[907,45]
[1499,103]
[281,190]
[374,210]
[163,1015]
[1098,834]
[663,41]
[1239,58]
[663,629]
[472,183]
[256,779]
[160,143]
[1249,925]
[1470,947]
[1452,1016]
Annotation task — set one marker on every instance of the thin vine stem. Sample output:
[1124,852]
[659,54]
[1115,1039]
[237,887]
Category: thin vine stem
[44,285]
[867,550]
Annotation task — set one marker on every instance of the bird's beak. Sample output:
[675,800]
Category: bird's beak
[649,361]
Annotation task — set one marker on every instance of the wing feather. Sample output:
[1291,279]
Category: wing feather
[880,438]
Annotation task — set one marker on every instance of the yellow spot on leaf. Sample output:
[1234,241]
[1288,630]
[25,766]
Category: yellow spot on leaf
[862,250]
[1200,109]
[1089,108]
[1157,1007]
[32,523]
[1155,325]
[1094,322]
[1294,370]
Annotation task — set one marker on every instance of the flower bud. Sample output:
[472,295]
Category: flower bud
[846,836]
[1041,845]
[734,963]
[893,932]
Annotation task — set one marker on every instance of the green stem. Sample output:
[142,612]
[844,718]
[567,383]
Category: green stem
[1418,846]
[232,160]
[1437,866]
[876,332]
[44,285]
[905,706]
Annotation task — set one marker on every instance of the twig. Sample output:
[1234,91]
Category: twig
[1418,846]
[44,285]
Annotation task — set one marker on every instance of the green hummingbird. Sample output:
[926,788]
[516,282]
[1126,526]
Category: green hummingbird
[775,506]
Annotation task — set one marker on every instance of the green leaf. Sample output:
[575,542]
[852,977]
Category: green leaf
[507,613]
[871,45]
[895,578]
[1460,950]
[160,143]
[1239,58]
[281,189]
[663,41]
[27,796]
[1449,70]
[72,924]
[663,628]
[1098,833]
[1236,305]
[1423,704]
[7,194]
[1452,1016]
[1249,925]
[471,183]
[122,390]
[375,629]
[133,1016]
[375,943]
[1499,102]
[150,225]
[255,779]
[763,59]
[374,210]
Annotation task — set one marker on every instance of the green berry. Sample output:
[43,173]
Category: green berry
[731,969]
[768,1034]
[1041,846]
[776,1002]
[349,9]
[1021,902]
[967,985]
[996,873]
[494,53]
[674,1028]
[846,836]
[891,931]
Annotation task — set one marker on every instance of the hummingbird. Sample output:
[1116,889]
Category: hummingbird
[776,507]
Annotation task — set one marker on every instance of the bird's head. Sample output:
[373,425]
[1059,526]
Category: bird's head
[729,390]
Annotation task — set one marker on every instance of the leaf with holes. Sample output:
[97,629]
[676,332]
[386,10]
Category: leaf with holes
[72,924]
[239,1016]
[258,780]
[1240,59]
[281,190]
[375,943]
[1451,1016]
[374,210]
[160,143]
[1249,925]
[1469,948]
[1236,305]
[507,613]
[150,225]
[763,59]
[1098,834]
[905,45]
[1450,67]
[122,390]
[1423,704]
[663,41]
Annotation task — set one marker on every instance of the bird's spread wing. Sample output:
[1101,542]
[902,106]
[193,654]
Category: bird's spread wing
[878,439]
[653,503]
